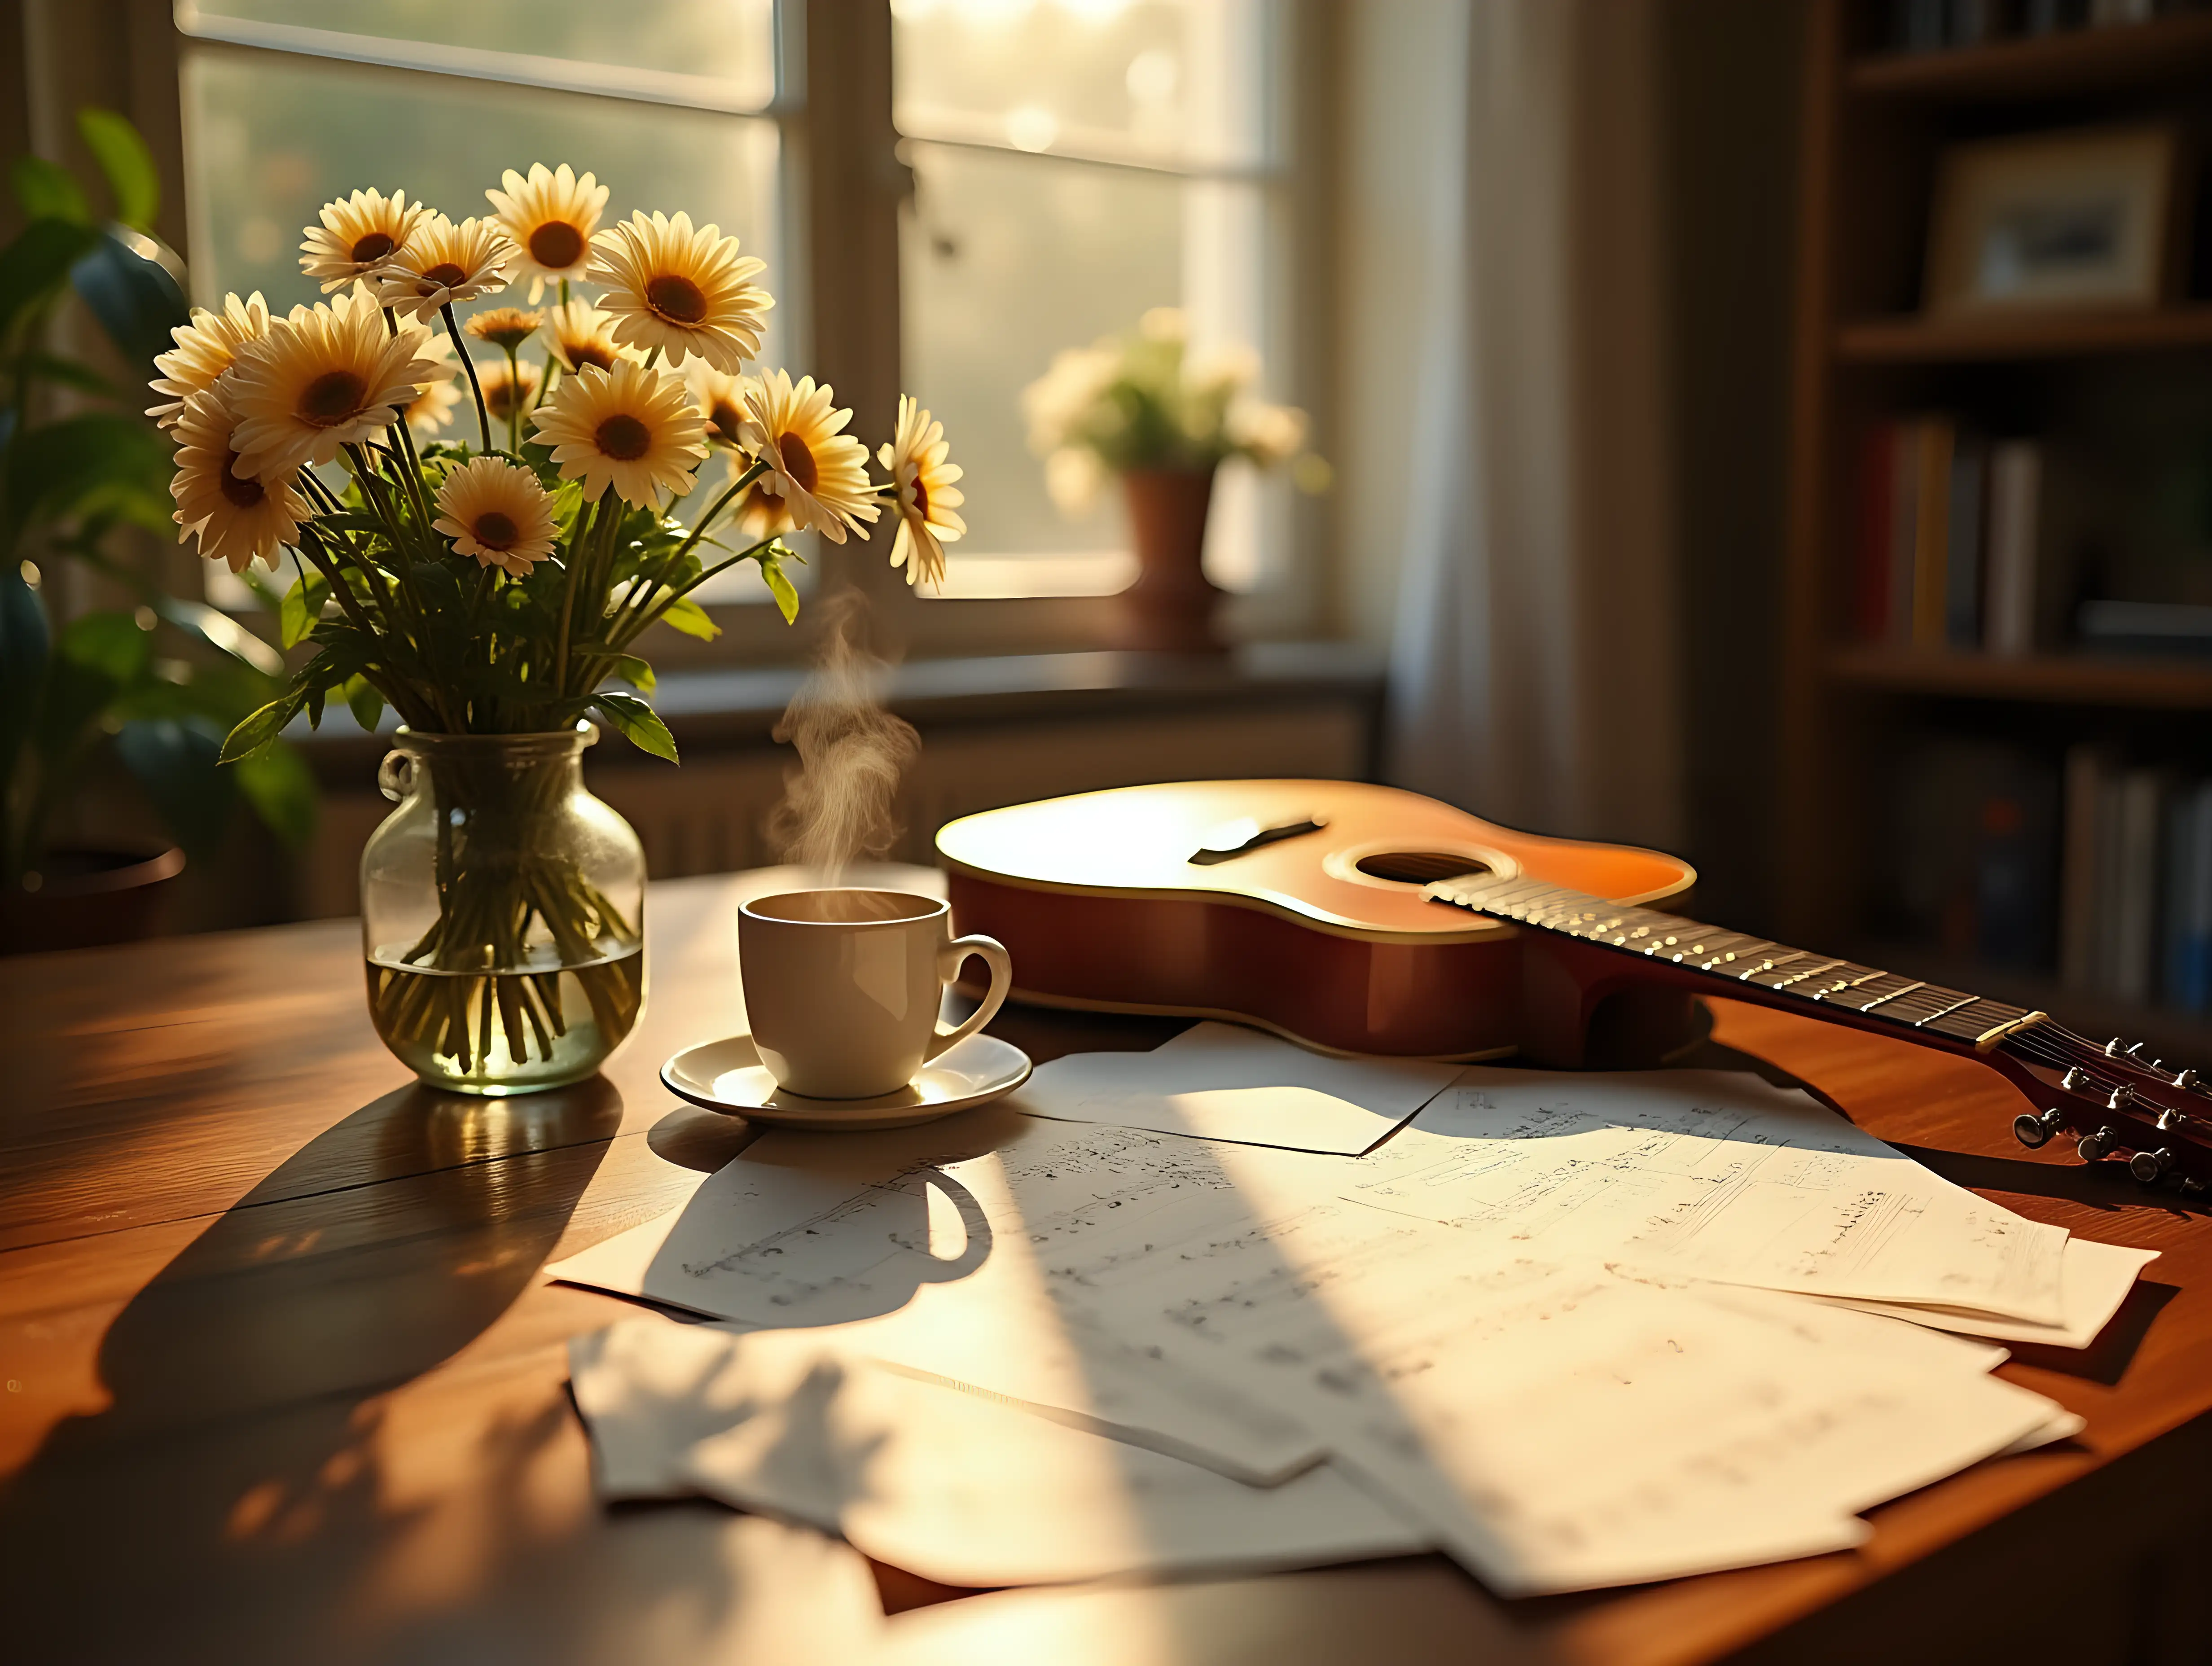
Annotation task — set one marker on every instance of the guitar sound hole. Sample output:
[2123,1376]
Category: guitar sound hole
[1419,868]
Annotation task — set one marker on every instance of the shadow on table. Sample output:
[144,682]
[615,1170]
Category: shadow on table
[238,1498]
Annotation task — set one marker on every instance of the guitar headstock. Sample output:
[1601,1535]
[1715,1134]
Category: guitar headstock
[2115,1099]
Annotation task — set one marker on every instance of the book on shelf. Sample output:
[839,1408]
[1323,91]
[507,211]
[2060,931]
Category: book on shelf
[2135,894]
[1977,842]
[1951,539]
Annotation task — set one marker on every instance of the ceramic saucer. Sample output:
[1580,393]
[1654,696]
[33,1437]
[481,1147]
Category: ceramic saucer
[728,1076]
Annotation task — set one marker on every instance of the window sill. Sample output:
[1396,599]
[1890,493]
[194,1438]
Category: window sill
[729,709]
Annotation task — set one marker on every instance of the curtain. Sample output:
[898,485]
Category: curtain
[1535,665]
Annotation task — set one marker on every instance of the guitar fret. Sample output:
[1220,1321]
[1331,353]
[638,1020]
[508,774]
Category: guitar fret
[1737,957]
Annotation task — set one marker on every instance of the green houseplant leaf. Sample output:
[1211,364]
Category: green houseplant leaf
[123,156]
[639,723]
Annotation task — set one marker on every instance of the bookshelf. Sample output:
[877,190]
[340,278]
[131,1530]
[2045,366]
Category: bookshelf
[1856,712]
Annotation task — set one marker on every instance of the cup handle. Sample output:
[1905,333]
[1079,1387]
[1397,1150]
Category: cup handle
[949,961]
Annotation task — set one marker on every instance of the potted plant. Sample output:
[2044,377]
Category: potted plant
[156,683]
[1141,407]
[495,588]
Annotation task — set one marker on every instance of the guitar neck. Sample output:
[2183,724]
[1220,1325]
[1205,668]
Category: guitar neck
[1739,965]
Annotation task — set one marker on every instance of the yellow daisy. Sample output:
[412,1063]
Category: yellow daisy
[821,474]
[551,217]
[204,350]
[444,262]
[721,398]
[507,393]
[235,516]
[681,290]
[579,334]
[437,399]
[631,428]
[926,496]
[506,327]
[324,377]
[497,513]
[359,236]
[761,513]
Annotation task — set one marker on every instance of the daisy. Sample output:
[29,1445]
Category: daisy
[1269,434]
[498,513]
[359,236]
[509,388]
[435,400]
[323,377]
[631,428]
[925,494]
[204,350]
[681,290]
[551,217]
[721,398]
[762,514]
[234,516]
[506,327]
[443,263]
[821,474]
[580,335]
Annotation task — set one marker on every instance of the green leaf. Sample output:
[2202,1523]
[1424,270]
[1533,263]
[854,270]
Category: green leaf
[48,192]
[366,704]
[52,367]
[262,727]
[221,633]
[281,787]
[303,606]
[110,644]
[37,261]
[687,616]
[174,763]
[128,165]
[639,723]
[23,647]
[780,586]
[136,301]
[634,672]
[98,460]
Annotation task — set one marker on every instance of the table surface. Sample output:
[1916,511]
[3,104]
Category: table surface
[284,1379]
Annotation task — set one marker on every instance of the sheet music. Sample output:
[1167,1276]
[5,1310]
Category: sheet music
[1561,1428]
[1224,1081]
[955,1486]
[936,1247]
[2094,1278]
[1710,1173]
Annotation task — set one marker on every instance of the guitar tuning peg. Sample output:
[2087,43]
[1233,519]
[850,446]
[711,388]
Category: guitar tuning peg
[2112,1048]
[2122,1097]
[2134,1050]
[2150,1166]
[2185,1078]
[2171,1118]
[2034,1131]
[2090,1147]
[2074,1079]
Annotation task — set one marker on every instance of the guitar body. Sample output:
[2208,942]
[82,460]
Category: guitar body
[1298,906]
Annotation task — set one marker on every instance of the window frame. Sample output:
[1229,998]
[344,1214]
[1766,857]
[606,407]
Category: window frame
[843,184]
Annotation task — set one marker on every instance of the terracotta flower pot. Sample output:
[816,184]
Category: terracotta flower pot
[1170,607]
[87,897]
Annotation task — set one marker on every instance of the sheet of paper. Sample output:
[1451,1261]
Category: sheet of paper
[944,1248]
[2094,1278]
[1710,1173]
[1563,1428]
[1224,1081]
[947,1483]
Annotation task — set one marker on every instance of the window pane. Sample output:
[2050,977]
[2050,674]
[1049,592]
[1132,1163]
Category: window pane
[270,137]
[1008,258]
[720,52]
[1165,81]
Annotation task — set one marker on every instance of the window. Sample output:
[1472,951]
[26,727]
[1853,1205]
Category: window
[1074,163]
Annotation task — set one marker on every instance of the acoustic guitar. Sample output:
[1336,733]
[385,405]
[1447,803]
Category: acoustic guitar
[1361,919]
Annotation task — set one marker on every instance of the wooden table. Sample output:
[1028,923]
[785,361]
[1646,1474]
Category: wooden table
[283,1381]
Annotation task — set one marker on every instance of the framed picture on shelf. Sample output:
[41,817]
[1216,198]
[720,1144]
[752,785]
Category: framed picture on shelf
[2079,218]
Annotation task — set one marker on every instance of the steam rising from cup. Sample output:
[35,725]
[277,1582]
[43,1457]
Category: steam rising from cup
[837,806]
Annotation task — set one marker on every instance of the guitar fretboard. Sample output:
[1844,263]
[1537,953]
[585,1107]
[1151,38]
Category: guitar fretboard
[1910,1003]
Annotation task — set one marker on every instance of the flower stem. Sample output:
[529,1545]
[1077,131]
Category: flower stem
[513,403]
[483,412]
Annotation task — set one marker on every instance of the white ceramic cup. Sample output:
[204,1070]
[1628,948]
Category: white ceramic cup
[842,987]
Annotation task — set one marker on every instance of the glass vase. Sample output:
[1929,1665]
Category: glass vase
[502,913]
